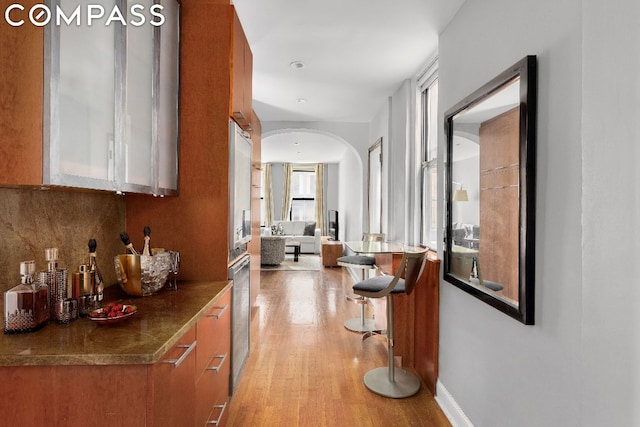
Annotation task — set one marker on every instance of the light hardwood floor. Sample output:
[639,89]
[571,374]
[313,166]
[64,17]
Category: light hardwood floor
[306,369]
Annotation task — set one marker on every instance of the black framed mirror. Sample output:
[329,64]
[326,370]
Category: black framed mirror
[490,192]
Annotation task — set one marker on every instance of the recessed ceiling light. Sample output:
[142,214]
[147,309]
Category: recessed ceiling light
[301,100]
[296,143]
[296,64]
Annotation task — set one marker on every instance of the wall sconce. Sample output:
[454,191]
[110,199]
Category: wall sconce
[461,194]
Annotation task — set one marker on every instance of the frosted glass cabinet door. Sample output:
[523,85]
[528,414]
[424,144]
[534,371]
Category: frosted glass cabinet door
[111,99]
[168,90]
[138,105]
[79,104]
[151,82]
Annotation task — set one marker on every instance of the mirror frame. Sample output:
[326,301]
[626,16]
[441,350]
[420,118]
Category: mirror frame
[527,70]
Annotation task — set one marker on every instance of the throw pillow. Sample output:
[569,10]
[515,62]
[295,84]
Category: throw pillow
[309,229]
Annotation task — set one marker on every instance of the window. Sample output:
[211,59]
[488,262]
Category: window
[429,167]
[303,195]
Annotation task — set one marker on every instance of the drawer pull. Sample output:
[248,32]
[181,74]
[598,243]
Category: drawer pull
[222,408]
[222,310]
[179,360]
[217,368]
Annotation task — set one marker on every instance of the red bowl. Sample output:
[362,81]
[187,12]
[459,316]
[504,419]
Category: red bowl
[95,316]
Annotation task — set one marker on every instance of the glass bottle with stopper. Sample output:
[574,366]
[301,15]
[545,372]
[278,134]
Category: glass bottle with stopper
[127,243]
[474,269]
[56,280]
[26,306]
[147,239]
[93,267]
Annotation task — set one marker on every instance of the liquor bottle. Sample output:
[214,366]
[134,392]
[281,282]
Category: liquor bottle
[474,268]
[93,266]
[147,239]
[127,243]
[26,306]
[56,280]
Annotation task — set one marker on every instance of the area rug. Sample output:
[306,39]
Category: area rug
[305,263]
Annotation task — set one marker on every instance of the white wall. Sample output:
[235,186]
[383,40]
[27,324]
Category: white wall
[332,181]
[611,213]
[379,128]
[350,210]
[351,186]
[397,155]
[466,172]
[499,371]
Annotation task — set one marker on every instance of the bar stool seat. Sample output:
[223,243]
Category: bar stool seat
[357,261]
[363,263]
[391,381]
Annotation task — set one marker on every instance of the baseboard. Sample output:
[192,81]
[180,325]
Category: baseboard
[450,407]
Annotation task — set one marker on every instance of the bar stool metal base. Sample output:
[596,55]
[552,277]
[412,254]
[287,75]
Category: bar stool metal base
[406,384]
[360,325]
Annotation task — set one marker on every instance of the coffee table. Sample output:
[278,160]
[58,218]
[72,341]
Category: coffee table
[296,248]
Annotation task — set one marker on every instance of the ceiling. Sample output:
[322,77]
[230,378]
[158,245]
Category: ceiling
[302,147]
[356,53]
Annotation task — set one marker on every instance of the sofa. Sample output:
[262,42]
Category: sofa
[304,232]
[271,250]
[465,235]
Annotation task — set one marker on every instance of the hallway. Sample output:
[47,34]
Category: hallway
[306,369]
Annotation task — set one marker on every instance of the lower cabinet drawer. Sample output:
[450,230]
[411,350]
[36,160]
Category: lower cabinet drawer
[213,332]
[212,392]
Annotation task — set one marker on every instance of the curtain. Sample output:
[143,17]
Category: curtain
[320,197]
[268,195]
[286,191]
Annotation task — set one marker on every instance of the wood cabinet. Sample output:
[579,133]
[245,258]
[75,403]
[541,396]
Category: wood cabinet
[21,90]
[213,358]
[416,318]
[498,258]
[187,386]
[241,75]
[256,192]
[331,251]
[173,386]
[96,110]
[202,207]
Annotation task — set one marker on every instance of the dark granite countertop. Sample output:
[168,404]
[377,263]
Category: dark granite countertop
[143,339]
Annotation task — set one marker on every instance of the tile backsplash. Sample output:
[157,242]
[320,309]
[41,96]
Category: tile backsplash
[32,220]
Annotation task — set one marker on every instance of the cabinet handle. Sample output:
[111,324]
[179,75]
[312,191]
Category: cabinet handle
[217,368]
[222,408]
[222,310]
[179,360]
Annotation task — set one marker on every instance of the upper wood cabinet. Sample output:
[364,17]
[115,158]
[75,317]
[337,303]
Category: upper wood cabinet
[241,75]
[105,116]
[202,207]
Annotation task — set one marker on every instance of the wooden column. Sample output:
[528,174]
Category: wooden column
[256,187]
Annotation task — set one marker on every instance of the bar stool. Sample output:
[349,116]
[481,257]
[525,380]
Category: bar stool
[391,381]
[364,263]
